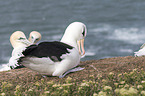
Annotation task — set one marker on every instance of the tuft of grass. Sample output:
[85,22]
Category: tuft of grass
[124,84]
[122,76]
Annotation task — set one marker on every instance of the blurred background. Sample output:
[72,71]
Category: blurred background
[115,27]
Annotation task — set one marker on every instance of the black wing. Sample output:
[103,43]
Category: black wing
[53,50]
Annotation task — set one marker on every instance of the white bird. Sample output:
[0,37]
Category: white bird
[19,43]
[34,37]
[141,52]
[142,46]
[57,58]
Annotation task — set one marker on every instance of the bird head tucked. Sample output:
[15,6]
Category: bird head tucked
[74,35]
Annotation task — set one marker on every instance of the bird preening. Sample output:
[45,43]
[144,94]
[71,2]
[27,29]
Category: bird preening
[19,43]
[56,58]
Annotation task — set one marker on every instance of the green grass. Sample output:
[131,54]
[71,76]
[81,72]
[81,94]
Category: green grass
[112,84]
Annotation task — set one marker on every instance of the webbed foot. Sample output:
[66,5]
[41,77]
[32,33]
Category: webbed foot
[71,70]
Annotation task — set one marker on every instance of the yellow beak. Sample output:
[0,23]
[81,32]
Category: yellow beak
[81,47]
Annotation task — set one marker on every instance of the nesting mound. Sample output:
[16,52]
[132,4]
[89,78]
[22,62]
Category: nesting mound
[119,76]
[92,67]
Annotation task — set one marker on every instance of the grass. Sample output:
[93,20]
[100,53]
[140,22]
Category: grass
[98,79]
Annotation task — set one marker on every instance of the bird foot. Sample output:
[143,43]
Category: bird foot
[71,70]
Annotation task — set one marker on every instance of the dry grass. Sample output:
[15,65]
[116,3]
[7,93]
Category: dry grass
[25,81]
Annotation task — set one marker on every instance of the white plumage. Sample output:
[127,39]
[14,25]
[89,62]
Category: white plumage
[141,52]
[34,37]
[57,58]
[19,43]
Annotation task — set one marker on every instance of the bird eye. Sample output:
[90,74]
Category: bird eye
[32,37]
[37,39]
[21,38]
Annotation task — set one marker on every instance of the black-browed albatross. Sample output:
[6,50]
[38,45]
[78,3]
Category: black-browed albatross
[57,58]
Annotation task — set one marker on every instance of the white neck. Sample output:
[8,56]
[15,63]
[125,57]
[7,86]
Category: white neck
[73,33]
[18,44]
[67,38]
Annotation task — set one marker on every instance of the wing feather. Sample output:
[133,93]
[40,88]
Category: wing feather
[53,50]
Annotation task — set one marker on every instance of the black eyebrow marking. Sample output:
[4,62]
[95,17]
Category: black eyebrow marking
[21,38]
[83,32]
[37,39]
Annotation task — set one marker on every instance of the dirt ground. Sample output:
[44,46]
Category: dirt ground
[92,68]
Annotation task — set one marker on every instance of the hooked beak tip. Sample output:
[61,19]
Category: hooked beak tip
[81,47]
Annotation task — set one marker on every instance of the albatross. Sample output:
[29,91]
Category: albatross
[141,51]
[19,43]
[57,58]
